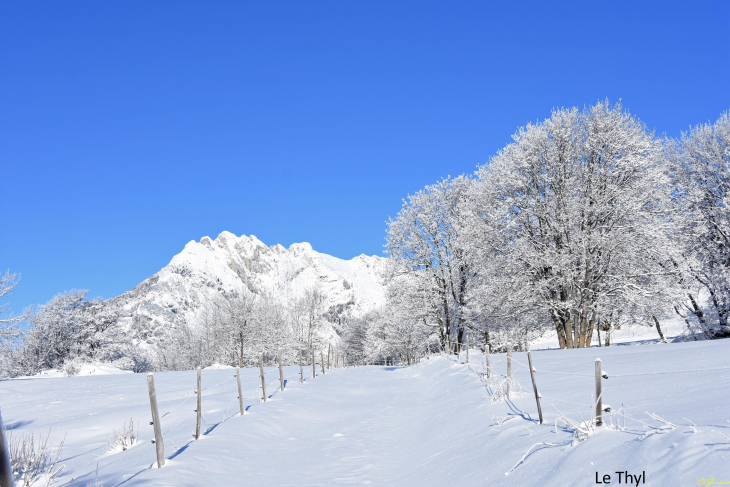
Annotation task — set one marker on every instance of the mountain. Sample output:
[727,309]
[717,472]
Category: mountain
[174,295]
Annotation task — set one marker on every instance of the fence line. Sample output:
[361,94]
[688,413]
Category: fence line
[489,381]
[143,448]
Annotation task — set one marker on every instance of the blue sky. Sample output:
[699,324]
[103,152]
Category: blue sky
[128,128]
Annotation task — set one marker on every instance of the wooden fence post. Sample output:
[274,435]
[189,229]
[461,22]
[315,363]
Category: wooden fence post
[488,358]
[281,372]
[599,397]
[263,378]
[6,470]
[467,351]
[509,360]
[301,367]
[159,445]
[534,385]
[198,410]
[314,365]
[240,395]
[321,359]
[329,350]
[509,367]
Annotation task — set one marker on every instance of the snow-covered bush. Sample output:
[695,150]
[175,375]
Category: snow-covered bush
[71,368]
[123,439]
[31,460]
[504,388]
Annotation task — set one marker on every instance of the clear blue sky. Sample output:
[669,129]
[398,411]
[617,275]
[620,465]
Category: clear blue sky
[128,128]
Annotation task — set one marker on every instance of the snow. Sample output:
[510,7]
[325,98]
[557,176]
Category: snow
[429,424]
[218,366]
[84,370]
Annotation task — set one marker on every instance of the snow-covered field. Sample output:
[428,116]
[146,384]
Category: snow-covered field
[429,424]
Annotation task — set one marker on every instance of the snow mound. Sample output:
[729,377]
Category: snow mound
[84,370]
[218,366]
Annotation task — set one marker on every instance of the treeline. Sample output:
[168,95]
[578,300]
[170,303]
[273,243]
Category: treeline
[228,328]
[585,223]
[234,328]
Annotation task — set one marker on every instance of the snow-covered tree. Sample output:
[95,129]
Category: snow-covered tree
[425,240]
[405,321]
[313,304]
[574,209]
[8,322]
[700,167]
[71,328]
[234,328]
[53,331]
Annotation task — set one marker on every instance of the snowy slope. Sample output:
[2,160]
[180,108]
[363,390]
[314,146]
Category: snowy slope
[430,425]
[230,263]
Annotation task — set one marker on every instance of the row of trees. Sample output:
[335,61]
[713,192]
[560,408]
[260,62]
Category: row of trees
[229,328]
[233,328]
[585,222]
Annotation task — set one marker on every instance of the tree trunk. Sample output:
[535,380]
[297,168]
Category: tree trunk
[240,355]
[447,318]
[591,327]
[658,329]
[576,330]
[697,311]
[442,334]
[568,331]
[689,325]
[722,313]
[560,330]
[584,343]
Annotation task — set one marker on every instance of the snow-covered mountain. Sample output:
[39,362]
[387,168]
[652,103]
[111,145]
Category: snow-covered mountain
[229,263]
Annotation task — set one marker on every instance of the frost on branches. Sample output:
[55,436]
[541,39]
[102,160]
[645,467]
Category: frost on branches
[699,164]
[585,223]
